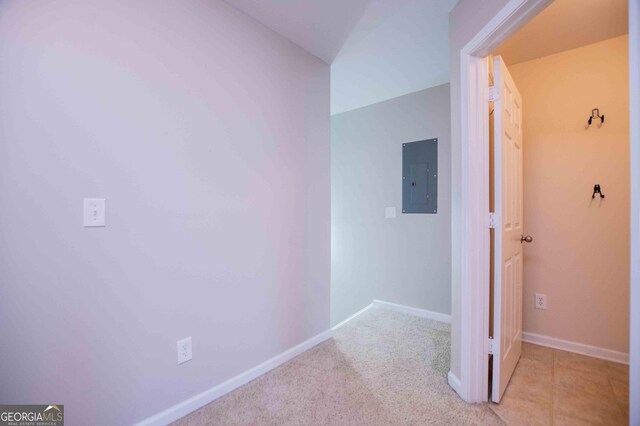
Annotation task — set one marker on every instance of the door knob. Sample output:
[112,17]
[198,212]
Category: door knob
[526,239]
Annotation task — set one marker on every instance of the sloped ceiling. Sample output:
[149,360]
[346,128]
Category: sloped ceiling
[318,26]
[397,47]
[564,25]
[381,49]
[378,49]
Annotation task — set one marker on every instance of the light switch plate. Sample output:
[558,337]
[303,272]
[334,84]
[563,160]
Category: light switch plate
[185,350]
[390,212]
[94,212]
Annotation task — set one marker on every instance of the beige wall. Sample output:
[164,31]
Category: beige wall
[580,253]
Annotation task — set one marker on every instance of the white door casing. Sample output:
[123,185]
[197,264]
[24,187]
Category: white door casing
[507,324]
[471,244]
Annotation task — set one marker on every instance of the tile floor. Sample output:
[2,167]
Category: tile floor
[553,387]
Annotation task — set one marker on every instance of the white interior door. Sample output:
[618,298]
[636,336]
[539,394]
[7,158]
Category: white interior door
[507,295]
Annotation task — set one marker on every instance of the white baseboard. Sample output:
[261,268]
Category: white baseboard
[185,407]
[357,314]
[422,313]
[454,382]
[579,348]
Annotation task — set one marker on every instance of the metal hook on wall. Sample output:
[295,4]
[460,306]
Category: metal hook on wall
[595,114]
[597,190]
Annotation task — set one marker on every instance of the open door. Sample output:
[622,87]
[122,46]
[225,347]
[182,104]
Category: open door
[507,294]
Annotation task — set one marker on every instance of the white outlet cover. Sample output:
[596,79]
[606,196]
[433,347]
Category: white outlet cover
[185,350]
[390,212]
[94,212]
[540,302]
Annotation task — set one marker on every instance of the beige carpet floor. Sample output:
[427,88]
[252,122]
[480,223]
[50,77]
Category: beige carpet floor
[383,368]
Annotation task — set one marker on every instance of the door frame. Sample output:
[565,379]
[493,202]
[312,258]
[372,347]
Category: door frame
[634,111]
[474,127]
[474,262]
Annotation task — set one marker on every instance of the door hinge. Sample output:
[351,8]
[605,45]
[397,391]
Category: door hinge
[492,220]
[490,345]
[494,94]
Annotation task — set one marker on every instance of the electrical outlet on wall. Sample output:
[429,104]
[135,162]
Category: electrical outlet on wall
[541,301]
[185,350]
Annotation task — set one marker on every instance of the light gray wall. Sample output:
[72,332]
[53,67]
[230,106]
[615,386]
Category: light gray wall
[208,135]
[404,260]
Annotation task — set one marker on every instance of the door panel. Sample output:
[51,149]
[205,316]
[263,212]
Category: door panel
[419,176]
[507,321]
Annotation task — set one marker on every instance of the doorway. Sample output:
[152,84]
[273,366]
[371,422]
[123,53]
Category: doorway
[571,280]
[474,271]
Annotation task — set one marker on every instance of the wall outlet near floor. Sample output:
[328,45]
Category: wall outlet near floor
[185,350]
[541,301]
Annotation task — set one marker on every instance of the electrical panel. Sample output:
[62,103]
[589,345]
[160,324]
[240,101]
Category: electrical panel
[420,177]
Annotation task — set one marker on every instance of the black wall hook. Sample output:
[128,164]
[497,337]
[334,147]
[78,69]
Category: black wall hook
[595,114]
[597,190]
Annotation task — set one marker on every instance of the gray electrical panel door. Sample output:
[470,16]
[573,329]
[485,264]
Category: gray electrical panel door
[420,176]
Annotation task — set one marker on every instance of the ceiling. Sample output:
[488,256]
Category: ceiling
[381,49]
[318,26]
[378,49]
[564,25]
[397,47]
